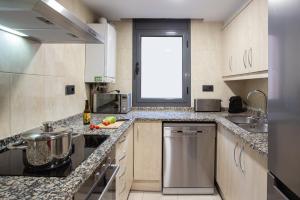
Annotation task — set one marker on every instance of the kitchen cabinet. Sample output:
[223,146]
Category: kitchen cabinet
[245,42]
[147,156]
[241,172]
[100,65]
[124,158]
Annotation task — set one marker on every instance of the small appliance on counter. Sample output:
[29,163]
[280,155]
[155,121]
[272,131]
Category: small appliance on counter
[236,105]
[111,103]
[207,105]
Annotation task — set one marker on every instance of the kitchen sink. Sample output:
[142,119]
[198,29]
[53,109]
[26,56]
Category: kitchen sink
[249,123]
[255,128]
[242,119]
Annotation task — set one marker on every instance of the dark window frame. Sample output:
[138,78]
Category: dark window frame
[161,28]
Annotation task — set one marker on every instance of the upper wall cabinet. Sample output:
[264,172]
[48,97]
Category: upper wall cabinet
[245,43]
[100,65]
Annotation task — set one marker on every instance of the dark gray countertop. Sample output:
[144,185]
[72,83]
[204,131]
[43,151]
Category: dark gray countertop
[13,187]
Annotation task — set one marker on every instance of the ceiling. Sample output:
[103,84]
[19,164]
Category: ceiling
[210,10]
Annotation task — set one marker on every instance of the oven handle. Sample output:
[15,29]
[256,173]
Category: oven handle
[114,174]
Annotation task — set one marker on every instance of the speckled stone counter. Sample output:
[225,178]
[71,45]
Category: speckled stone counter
[64,188]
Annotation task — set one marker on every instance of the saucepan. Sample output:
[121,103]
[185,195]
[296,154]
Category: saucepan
[45,147]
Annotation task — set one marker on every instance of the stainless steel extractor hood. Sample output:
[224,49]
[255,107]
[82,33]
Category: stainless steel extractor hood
[46,21]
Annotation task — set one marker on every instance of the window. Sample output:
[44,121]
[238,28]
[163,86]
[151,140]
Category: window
[161,68]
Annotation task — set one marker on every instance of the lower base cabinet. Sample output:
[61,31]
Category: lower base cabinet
[241,172]
[147,156]
[124,158]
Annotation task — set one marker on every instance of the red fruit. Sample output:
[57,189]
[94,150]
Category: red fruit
[105,123]
[97,127]
[92,126]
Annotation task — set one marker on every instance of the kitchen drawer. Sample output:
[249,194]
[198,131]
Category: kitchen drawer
[121,183]
[124,158]
[121,158]
[122,146]
[122,172]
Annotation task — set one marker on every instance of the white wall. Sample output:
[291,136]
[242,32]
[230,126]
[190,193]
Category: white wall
[33,78]
[206,61]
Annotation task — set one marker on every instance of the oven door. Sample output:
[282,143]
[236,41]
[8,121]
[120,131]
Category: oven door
[102,187]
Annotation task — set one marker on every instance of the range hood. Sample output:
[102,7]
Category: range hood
[46,21]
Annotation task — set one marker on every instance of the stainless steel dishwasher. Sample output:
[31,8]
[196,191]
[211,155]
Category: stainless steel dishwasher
[189,158]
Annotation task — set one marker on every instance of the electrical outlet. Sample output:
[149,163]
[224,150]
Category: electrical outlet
[70,89]
[207,88]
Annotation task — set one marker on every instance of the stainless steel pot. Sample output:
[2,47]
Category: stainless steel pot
[45,147]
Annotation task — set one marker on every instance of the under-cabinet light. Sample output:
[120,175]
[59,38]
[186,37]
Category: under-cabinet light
[9,30]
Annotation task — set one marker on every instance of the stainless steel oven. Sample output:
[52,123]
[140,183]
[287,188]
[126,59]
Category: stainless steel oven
[101,185]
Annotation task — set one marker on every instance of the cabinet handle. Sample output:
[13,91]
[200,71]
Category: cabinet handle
[123,174]
[122,158]
[123,140]
[240,160]
[235,162]
[244,58]
[250,57]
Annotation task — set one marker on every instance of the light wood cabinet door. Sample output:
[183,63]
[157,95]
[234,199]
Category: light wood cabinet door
[147,155]
[258,52]
[223,165]
[241,172]
[227,54]
[254,174]
[147,151]
[227,167]
[246,40]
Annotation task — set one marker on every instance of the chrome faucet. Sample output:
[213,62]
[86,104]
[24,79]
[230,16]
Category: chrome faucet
[265,99]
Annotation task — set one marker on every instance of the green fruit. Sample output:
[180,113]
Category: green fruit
[110,119]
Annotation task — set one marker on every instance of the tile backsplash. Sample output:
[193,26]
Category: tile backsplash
[33,78]
[32,82]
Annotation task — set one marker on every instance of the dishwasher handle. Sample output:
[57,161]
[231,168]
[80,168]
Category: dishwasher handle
[185,133]
[188,132]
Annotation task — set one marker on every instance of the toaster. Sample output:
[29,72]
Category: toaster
[207,105]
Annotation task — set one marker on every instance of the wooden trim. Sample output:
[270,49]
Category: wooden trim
[231,18]
[151,186]
[254,75]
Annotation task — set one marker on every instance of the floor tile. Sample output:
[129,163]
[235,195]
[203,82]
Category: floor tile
[152,196]
[136,196]
[195,197]
[169,197]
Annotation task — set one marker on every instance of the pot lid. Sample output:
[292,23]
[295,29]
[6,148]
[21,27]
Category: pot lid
[39,134]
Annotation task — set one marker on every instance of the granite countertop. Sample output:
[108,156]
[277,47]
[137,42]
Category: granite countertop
[13,187]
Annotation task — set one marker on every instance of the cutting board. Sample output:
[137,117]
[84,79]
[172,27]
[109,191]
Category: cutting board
[115,125]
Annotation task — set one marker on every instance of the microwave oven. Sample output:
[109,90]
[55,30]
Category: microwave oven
[108,103]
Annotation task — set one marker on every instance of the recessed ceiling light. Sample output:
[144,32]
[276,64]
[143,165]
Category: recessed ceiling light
[9,30]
